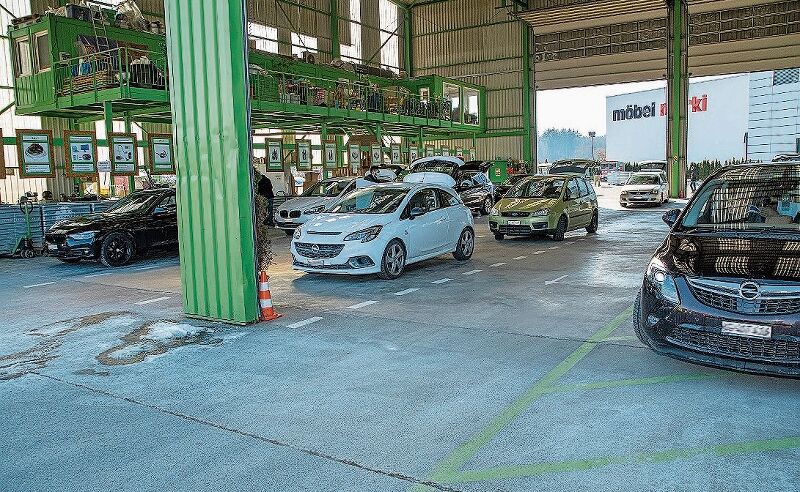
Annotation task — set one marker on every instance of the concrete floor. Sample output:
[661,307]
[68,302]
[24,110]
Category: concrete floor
[520,373]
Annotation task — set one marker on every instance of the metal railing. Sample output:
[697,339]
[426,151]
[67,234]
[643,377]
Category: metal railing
[119,67]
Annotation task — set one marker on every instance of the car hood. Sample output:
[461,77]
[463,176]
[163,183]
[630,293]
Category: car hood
[525,204]
[306,202]
[89,222]
[742,255]
[345,223]
[641,188]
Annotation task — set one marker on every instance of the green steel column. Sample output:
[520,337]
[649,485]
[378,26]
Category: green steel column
[527,150]
[677,95]
[131,179]
[407,46]
[108,119]
[335,46]
[206,42]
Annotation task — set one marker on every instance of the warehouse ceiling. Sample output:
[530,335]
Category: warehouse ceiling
[591,42]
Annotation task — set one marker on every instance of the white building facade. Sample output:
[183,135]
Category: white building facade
[755,116]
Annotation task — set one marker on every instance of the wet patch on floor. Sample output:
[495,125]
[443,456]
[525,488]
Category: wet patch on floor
[91,372]
[156,338]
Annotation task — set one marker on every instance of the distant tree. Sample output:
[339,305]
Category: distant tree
[560,144]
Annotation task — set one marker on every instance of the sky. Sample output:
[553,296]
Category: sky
[583,108]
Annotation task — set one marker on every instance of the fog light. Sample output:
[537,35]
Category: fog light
[360,262]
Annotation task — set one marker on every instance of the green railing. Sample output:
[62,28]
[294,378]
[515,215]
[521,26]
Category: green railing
[123,68]
[356,95]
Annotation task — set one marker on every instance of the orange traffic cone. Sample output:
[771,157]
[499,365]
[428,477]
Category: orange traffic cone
[265,298]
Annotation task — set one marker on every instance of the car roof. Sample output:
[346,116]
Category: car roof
[767,170]
[450,159]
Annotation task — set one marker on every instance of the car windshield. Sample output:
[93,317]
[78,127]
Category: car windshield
[748,199]
[327,188]
[372,200]
[134,203]
[512,180]
[436,166]
[537,188]
[643,179]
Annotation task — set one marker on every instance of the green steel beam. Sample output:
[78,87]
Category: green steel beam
[336,49]
[677,94]
[206,41]
[527,150]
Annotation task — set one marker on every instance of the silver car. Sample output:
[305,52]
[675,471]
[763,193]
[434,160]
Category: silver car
[320,197]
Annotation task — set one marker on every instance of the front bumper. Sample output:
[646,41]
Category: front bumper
[65,247]
[355,258]
[692,331]
[639,199]
[519,226]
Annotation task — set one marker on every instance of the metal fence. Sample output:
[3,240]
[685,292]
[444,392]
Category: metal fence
[119,67]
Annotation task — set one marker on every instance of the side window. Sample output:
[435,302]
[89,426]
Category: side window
[589,187]
[42,44]
[446,199]
[22,57]
[583,188]
[424,199]
[168,203]
[574,192]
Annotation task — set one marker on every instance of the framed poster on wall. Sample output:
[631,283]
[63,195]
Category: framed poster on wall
[123,153]
[2,157]
[162,160]
[80,153]
[429,152]
[274,155]
[413,153]
[460,152]
[304,155]
[445,151]
[472,154]
[330,159]
[35,151]
[396,159]
[376,155]
[354,156]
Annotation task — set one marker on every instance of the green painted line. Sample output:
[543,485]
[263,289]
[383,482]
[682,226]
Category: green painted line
[448,468]
[761,446]
[621,383]
[625,338]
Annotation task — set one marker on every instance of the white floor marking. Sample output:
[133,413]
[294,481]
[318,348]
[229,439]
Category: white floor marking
[553,247]
[481,236]
[556,280]
[92,275]
[151,301]
[147,267]
[538,252]
[404,292]
[305,322]
[519,257]
[472,272]
[570,243]
[497,265]
[442,281]
[362,304]
[37,285]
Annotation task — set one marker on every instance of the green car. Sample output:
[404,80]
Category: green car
[552,205]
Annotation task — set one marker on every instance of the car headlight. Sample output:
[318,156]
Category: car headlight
[624,193]
[541,213]
[655,192]
[315,210]
[364,235]
[662,281]
[494,211]
[82,236]
[297,233]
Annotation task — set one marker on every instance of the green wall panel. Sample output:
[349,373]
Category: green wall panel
[210,107]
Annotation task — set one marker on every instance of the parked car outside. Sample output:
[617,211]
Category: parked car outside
[383,228]
[471,181]
[141,221]
[550,205]
[723,289]
[316,199]
[645,188]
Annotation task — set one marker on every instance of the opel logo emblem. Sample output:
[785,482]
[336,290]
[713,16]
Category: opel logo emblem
[749,290]
[315,249]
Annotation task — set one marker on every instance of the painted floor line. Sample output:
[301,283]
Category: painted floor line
[305,322]
[442,281]
[553,247]
[151,301]
[519,257]
[497,264]
[92,275]
[404,292]
[147,267]
[472,272]
[362,304]
[37,285]
[556,280]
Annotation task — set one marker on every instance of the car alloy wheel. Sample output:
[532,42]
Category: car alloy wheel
[561,229]
[116,250]
[487,206]
[394,260]
[465,246]
[592,227]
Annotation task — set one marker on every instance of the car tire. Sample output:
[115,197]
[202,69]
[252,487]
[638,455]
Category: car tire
[499,236]
[288,232]
[561,229]
[465,246]
[70,261]
[486,208]
[592,227]
[116,250]
[393,260]
[638,326]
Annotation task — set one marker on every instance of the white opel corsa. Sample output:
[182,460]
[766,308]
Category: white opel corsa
[383,228]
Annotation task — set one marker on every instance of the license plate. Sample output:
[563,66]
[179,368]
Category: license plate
[52,247]
[514,222]
[746,330]
[315,262]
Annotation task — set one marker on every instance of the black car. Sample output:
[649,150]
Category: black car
[136,223]
[472,184]
[724,287]
[501,189]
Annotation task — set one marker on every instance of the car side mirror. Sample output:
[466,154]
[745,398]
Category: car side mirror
[671,216]
[465,184]
[160,212]
[416,212]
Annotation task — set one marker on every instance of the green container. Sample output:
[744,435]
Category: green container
[498,171]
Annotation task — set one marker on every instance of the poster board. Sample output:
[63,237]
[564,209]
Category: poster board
[396,156]
[460,152]
[413,153]
[35,151]
[162,156]
[330,160]
[274,155]
[123,151]
[376,155]
[472,154]
[304,155]
[80,153]
[445,151]
[429,152]
[354,156]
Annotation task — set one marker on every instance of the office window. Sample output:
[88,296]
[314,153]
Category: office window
[22,57]
[43,58]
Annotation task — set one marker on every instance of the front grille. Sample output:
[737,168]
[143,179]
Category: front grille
[769,350]
[518,230]
[322,233]
[55,238]
[724,295]
[317,251]
[286,214]
[341,266]
[514,214]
